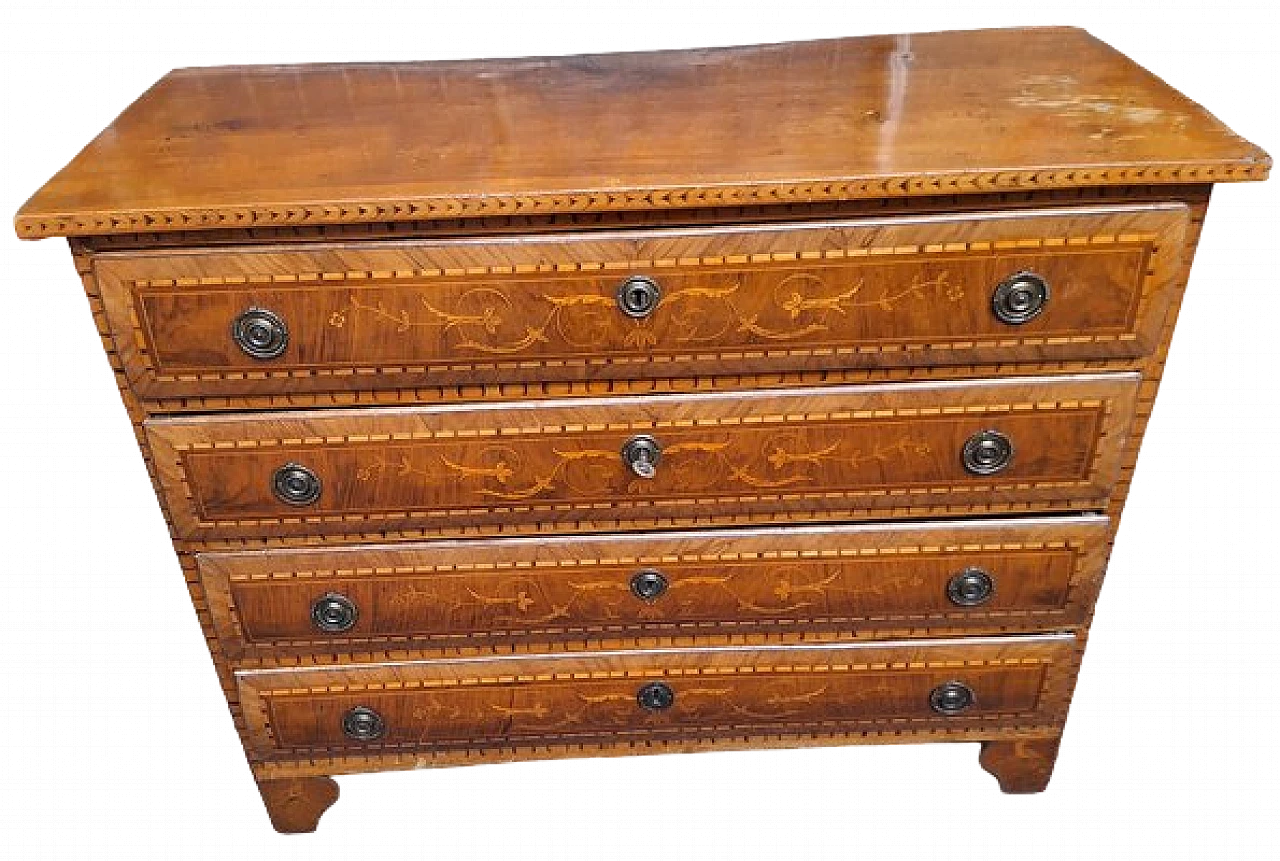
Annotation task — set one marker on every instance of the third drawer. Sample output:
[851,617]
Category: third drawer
[1014,575]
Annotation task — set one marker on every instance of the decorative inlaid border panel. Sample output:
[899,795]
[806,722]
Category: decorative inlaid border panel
[565,309]
[556,464]
[547,594]
[742,681]
[570,222]
[869,293]
[809,737]
[747,194]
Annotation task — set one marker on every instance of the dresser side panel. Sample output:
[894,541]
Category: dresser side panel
[137,414]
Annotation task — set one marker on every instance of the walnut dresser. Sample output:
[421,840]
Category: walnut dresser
[757,397]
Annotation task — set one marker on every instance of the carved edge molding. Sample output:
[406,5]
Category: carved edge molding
[197,543]
[577,563]
[675,383]
[431,208]
[633,219]
[352,763]
[893,253]
[264,654]
[1028,405]
[643,673]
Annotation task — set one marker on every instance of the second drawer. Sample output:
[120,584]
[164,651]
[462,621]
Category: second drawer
[617,464]
[1003,575]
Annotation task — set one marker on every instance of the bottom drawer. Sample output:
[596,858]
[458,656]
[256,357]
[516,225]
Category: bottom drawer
[474,704]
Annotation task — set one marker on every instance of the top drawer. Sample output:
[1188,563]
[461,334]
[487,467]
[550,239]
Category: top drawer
[975,288]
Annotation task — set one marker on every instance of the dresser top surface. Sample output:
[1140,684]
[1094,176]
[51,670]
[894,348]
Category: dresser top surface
[881,116]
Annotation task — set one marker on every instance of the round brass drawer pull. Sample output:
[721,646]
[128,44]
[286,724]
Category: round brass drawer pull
[638,296]
[641,455]
[648,585]
[260,333]
[655,697]
[987,453]
[951,698]
[363,724]
[971,587]
[295,484]
[1020,298]
[334,613]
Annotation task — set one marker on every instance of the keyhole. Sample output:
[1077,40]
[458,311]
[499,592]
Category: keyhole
[641,455]
[638,296]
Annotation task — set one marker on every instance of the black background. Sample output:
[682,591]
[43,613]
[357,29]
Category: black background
[127,737]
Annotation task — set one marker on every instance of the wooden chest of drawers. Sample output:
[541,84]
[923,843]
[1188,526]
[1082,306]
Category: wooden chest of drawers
[754,397]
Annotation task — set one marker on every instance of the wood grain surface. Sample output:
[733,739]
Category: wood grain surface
[295,804]
[880,116]
[900,292]
[567,592]
[811,227]
[565,698]
[857,452]
[1022,765]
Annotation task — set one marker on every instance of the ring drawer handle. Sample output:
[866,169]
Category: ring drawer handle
[638,296]
[641,455]
[296,484]
[334,613]
[951,698]
[363,724]
[655,697]
[1019,298]
[260,333]
[987,453]
[648,585]
[971,587]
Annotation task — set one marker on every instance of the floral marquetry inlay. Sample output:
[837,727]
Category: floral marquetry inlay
[752,299]
[814,450]
[764,591]
[520,317]
[759,697]
[506,473]
[555,589]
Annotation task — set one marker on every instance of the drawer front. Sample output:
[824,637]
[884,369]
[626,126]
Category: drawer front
[560,465]
[369,709]
[1013,575]
[900,292]
[854,451]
